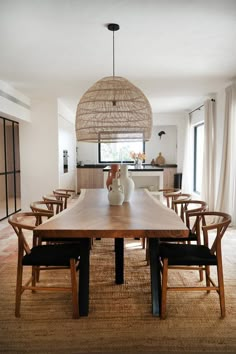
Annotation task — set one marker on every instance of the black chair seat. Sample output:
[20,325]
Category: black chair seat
[60,239]
[52,255]
[184,254]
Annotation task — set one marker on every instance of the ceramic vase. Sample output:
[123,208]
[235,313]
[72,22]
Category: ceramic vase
[160,160]
[112,174]
[127,182]
[116,192]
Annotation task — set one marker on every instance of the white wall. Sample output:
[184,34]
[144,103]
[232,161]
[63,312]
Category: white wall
[167,144]
[178,119]
[39,152]
[46,129]
[13,104]
[66,141]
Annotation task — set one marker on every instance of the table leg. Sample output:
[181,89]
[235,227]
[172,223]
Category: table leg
[119,260]
[83,294]
[155,275]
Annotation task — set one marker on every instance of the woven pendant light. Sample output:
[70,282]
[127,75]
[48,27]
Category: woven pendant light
[113,110]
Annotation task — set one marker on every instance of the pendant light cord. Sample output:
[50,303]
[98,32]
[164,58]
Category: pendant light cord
[113,53]
[113,27]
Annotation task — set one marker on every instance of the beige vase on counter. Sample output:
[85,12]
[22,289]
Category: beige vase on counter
[160,160]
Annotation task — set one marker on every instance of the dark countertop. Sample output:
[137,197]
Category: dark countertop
[145,167]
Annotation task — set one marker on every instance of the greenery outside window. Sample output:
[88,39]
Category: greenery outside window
[118,152]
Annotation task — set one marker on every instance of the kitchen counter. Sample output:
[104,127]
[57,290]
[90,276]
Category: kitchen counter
[144,166]
[145,176]
[94,175]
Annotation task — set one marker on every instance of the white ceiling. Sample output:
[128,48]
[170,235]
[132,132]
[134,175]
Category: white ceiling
[177,52]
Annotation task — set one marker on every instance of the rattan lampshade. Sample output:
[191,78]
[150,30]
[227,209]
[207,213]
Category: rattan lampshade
[113,109]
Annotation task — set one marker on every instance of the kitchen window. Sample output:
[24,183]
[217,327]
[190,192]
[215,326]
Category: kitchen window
[118,151]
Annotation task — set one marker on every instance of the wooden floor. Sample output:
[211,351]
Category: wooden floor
[11,207]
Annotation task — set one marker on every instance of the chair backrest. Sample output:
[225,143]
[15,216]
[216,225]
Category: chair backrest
[53,203]
[213,222]
[25,221]
[179,196]
[170,194]
[184,206]
[171,197]
[41,206]
[62,196]
[52,206]
[65,190]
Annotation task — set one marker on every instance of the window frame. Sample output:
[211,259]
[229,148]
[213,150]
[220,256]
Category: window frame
[116,161]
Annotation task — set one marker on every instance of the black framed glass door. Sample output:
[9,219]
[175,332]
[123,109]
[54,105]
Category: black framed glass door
[10,194]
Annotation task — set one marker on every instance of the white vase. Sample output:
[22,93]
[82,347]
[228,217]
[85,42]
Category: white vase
[116,192]
[127,182]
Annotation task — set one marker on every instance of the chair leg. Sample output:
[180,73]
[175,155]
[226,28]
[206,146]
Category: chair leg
[37,273]
[144,242]
[201,270]
[74,289]
[18,289]
[147,252]
[164,288]
[221,289]
[207,273]
[35,276]
[201,274]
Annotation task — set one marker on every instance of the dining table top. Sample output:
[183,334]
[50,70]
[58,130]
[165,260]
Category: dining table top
[93,216]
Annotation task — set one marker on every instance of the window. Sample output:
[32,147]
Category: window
[119,152]
[10,194]
[198,157]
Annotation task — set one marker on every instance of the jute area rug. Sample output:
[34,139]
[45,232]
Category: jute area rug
[120,318]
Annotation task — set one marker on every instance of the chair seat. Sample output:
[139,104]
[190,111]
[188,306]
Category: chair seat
[52,255]
[60,239]
[184,254]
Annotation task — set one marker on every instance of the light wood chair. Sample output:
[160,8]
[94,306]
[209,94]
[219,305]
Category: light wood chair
[53,203]
[63,196]
[171,197]
[184,208]
[65,190]
[167,192]
[194,257]
[43,257]
[52,207]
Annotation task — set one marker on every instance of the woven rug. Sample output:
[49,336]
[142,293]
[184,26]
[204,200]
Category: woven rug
[120,318]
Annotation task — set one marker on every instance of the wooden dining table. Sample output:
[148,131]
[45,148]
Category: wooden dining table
[143,216]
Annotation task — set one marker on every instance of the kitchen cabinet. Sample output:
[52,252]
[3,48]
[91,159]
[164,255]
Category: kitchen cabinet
[93,176]
[89,178]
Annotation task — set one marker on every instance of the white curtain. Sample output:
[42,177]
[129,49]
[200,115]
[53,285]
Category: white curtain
[208,168]
[226,199]
[187,178]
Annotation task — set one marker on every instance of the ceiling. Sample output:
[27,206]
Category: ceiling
[177,52]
